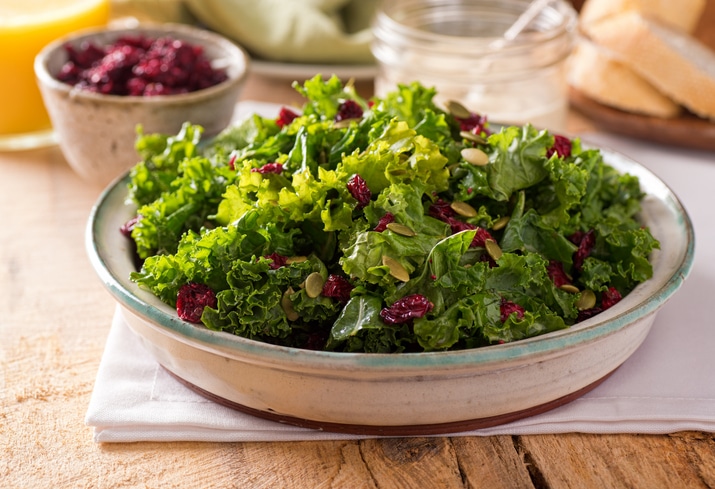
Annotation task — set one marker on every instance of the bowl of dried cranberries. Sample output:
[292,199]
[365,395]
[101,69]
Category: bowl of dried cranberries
[103,87]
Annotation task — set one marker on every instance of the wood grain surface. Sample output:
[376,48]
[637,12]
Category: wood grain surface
[54,319]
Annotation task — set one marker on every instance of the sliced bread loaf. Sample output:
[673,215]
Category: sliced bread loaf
[674,62]
[595,73]
[683,14]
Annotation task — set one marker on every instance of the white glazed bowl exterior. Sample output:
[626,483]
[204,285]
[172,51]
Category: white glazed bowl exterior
[97,132]
[422,390]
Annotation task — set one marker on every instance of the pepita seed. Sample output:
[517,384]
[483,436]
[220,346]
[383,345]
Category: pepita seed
[396,269]
[287,305]
[458,110]
[400,229]
[470,136]
[463,209]
[500,223]
[586,300]
[314,285]
[571,289]
[475,156]
[493,249]
[296,259]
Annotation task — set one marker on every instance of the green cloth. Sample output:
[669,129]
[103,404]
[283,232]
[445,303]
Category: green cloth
[300,31]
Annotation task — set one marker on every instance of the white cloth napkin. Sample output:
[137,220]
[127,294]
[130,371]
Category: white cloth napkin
[668,384]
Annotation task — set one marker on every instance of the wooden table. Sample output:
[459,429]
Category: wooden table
[54,319]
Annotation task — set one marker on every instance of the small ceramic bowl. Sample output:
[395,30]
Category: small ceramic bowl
[408,393]
[97,132]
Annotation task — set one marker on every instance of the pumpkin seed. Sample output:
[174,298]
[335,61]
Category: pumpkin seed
[396,268]
[458,110]
[493,249]
[470,136]
[475,156]
[295,259]
[586,300]
[400,229]
[500,223]
[571,289]
[287,305]
[463,209]
[314,285]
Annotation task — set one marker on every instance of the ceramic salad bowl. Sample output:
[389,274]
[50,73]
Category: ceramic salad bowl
[408,393]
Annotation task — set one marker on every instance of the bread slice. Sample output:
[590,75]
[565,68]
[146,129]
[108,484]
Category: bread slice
[595,73]
[683,14]
[674,62]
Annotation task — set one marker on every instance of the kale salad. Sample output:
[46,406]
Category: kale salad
[383,226]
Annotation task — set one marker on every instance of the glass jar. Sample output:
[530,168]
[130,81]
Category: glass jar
[457,46]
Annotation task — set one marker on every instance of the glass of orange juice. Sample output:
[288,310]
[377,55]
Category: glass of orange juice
[26,26]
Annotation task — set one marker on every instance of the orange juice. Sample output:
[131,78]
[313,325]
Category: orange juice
[26,26]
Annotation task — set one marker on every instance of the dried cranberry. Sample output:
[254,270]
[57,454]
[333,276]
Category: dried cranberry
[277,260]
[585,245]
[69,72]
[507,308]
[192,299]
[440,209]
[405,309]
[481,237]
[136,86]
[588,313]
[127,228]
[85,56]
[457,226]
[269,168]
[557,274]
[576,237]
[349,109]
[358,189]
[338,288]
[561,146]
[475,123]
[139,66]
[285,117]
[384,221]
[610,297]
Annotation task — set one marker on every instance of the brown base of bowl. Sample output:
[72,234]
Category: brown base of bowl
[408,430]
